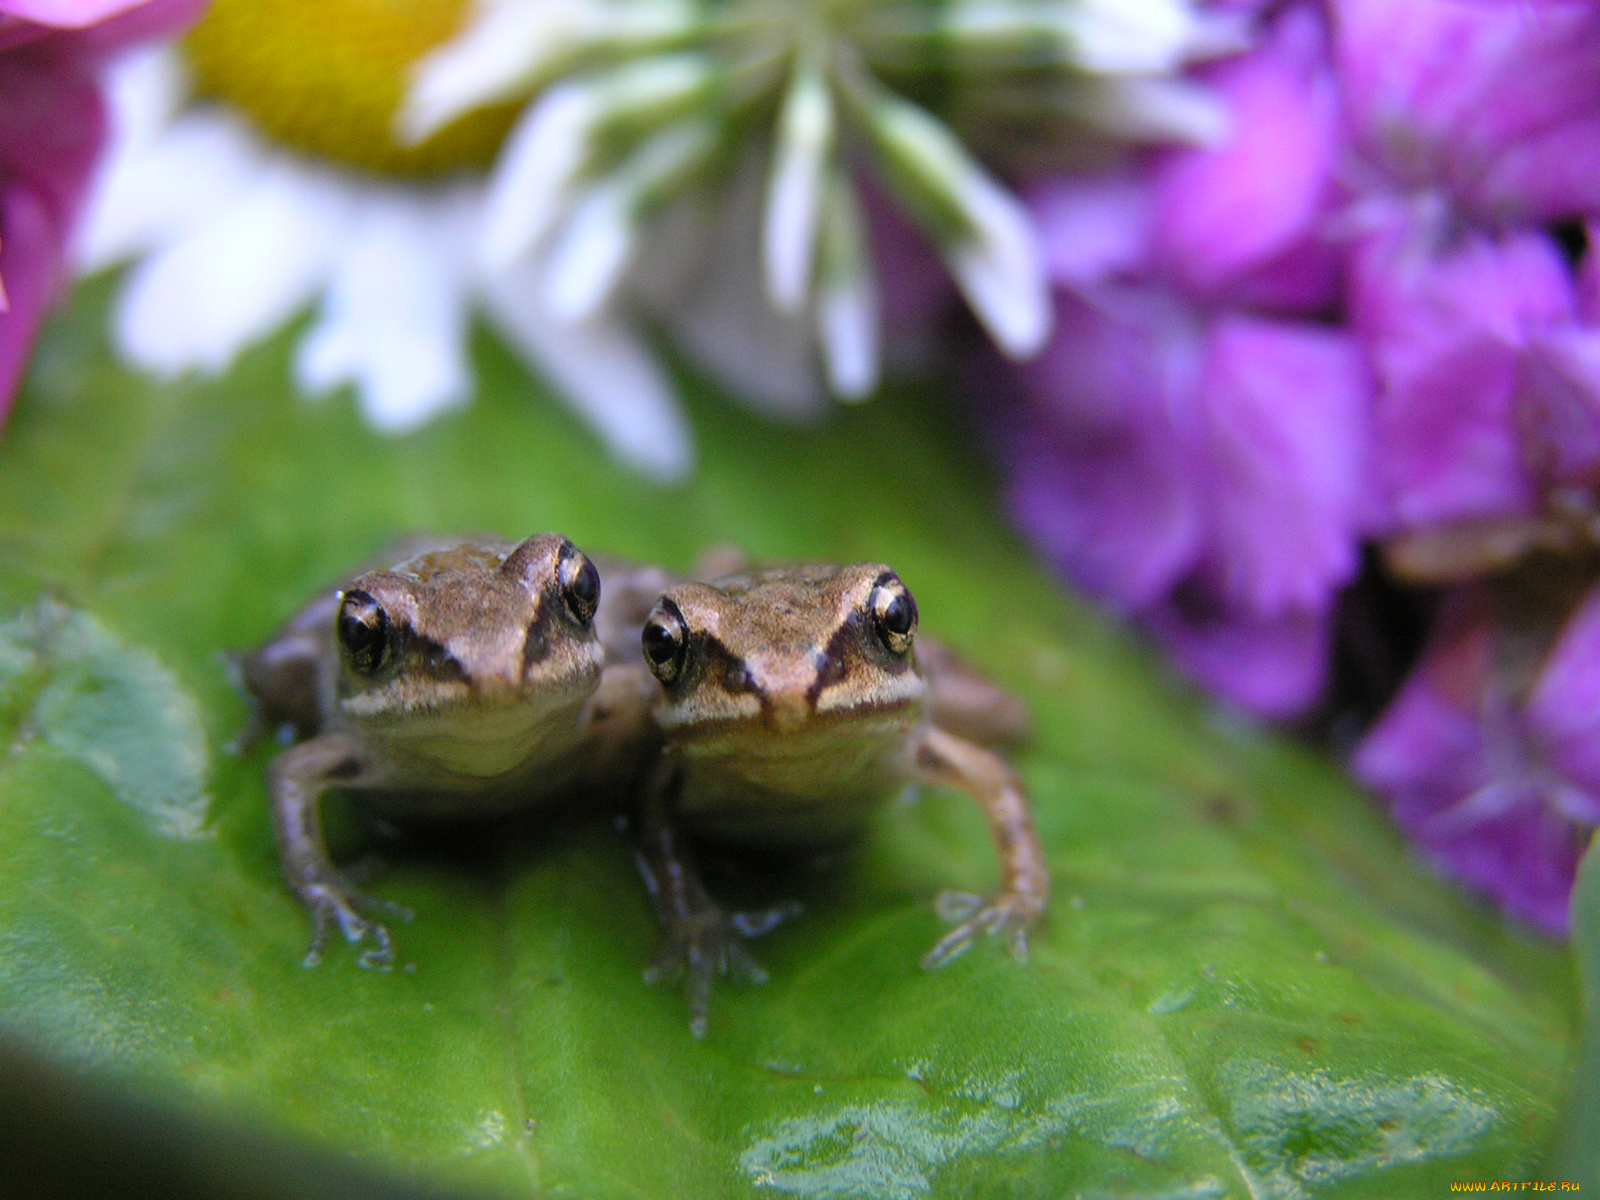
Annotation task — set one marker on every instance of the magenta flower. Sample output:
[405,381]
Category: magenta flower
[1471,121]
[1500,784]
[1243,222]
[1495,102]
[1190,449]
[51,128]
[1489,387]
[1348,321]
[1203,473]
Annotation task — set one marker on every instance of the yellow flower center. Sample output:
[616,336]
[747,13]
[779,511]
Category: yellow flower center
[326,76]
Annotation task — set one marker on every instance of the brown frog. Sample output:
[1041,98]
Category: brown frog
[793,705]
[466,679]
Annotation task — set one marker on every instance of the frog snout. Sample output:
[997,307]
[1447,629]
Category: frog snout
[789,710]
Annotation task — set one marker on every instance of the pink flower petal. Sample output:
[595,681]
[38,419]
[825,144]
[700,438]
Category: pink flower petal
[1093,228]
[30,264]
[1445,333]
[1224,211]
[123,25]
[1564,707]
[1496,102]
[65,14]
[1274,667]
[51,127]
[1463,778]
[1102,457]
[1427,749]
[1288,479]
[1558,406]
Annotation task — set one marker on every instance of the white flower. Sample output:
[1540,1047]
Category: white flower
[234,237]
[691,165]
[639,106]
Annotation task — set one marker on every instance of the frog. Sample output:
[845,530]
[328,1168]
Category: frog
[466,678]
[794,704]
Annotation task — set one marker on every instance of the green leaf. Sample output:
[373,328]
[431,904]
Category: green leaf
[1577,1154]
[1244,987]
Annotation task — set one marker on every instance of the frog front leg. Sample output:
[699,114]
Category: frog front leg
[296,780]
[942,758]
[700,939]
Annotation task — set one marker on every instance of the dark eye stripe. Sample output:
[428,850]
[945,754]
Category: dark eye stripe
[437,660]
[835,666]
[727,666]
[536,642]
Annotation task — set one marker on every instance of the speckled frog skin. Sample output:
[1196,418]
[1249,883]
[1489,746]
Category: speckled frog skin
[466,678]
[793,704]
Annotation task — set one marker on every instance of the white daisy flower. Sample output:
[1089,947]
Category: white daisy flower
[234,237]
[686,166]
[637,102]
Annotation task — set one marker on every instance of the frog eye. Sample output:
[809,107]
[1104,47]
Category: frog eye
[580,584]
[665,641]
[363,631]
[894,614]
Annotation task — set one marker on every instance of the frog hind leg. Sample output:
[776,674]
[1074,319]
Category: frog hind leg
[283,676]
[297,779]
[938,757]
[700,939]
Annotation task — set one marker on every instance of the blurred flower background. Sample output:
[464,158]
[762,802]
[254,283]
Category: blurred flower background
[1282,320]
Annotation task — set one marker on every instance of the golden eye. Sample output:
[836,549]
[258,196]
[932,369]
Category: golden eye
[580,584]
[363,631]
[894,614]
[665,641]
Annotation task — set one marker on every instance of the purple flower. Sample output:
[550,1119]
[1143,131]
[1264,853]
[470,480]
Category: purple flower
[1190,449]
[1496,103]
[51,128]
[1348,321]
[1473,346]
[1242,222]
[1500,785]
[1206,474]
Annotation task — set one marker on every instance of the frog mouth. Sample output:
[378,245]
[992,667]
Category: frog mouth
[442,700]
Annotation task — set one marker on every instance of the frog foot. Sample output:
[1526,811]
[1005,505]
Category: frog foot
[334,902]
[700,946]
[1009,913]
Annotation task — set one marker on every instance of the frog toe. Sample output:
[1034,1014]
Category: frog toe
[1009,915]
[712,944]
[335,905]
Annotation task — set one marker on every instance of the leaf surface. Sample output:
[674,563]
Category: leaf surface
[1243,988]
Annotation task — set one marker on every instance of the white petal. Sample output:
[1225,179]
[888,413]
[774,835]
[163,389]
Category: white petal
[605,373]
[794,195]
[847,320]
[200,301]
[590,253]
[1132,35]
[847,297]
[552,142]
[539,159]
[511,48]
[143,89]
[593,247]
[987,237]
[1001,270]
[204,162]
[713,303]
[394,318]
[493,59]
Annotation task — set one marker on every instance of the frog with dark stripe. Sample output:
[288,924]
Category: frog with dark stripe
[793,705]
[465,679]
